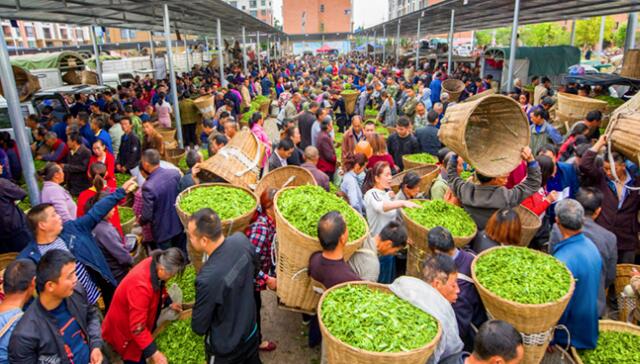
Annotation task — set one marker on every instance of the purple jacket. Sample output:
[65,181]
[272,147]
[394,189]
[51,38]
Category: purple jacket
[61,200]
[159,194]
[321,178]
[468,308]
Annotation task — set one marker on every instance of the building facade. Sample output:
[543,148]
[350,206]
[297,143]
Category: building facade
[317,16]
[25,34]
[260,9]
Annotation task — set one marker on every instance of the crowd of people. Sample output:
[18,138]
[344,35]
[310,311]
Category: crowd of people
[74,254]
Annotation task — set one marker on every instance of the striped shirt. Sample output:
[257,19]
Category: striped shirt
[81,271]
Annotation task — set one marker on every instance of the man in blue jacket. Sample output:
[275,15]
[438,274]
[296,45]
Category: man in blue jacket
[76,236]
[585,263]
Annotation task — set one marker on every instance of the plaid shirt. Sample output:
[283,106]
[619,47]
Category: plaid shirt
[261,233]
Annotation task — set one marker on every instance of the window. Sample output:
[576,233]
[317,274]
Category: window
[263,12]
[234,4]
[322,8]
[46,32]
[254,13]
[253,4]
[127,33]
[32,44]
[321,27]
[29,31]
[64,34]
[263,2]
[79,34]
[6,29]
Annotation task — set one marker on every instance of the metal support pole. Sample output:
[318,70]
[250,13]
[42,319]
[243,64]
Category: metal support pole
[206,46]
[514,46]
[269,48]
[223,81]
[450,53]
[375,43]
[573,31]
[288,45]
[418,45]
[384,43]
[244,52]
[258,51]
[366,45]
[17,122]
[152,48]
[632,25]
[473,40]
[92,33]
[398,43]
[172,75]
[601,38]
[186,53]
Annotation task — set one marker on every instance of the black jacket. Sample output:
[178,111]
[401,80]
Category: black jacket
[14,232]
[401,146]
[36,338]
[75,171]
[129,152]
[305,123]
[428,139]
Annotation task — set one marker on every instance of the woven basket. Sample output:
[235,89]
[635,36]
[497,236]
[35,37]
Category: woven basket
[264,107]
[567,120]
[72,78]
[230,226]
[127,225]
[453,87]
[624,133]
[482,94]
[271,129]
[26,83]
[631,64]
[408,164]
[623,278]
[6,259]
[608,325]
[184,315]
[206,107]
[89,78]
[427,173]
[418,250]
[574,106]
[168,134]
[526,318]
[287,176]
[237,163]
[174,155]
[350,102]
[631,106]
[530,224]
[340,353]
[489,133]
[294,250]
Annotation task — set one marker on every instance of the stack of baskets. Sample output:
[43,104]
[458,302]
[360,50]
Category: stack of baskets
[350,99]
[573,108]
[489,133]
[453,87]
[419,247]
[609,325]
[168,138]
[72,78]
[287,176]
[26,83]
[238,163]
[427,173]
[536,322]
[89,78]
[295,289]
[239,224]
[339,352]
[530,224]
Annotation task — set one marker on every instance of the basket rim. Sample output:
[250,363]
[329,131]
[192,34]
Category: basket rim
[306,236]
[529,212]
[607,325]
[406,171]
[420,163]
[406,216]
[566,296]
[281,169]
[186,192]
[434,342]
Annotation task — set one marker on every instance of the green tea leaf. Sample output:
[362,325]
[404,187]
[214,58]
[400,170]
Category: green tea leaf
[439,213]
[227,202]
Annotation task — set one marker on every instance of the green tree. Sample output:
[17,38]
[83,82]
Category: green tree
[588,31]
[503,35]
[543,34]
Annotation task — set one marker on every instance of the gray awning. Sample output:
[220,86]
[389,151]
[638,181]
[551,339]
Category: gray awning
[187,16]
[488,14]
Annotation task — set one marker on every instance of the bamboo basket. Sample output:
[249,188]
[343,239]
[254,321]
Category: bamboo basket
[631,106]
[623,278]
[6,259]
[184,315]
[264,108]
[271,129]
[295,289]
[238,162]
[72,78]
[174,155]
[89,78]
[567,120]
[350,102]
[339,352]
[168,134]
[26,83]
[230,226]
[427,173]
[205,105]
[577,107]
[418,250]
[528,319]
[530,224]
[489,133]
[127,225]
[287,176]
[408,164]
[624,134]
[608,325]
[482,94]
[453,87]
[631,64]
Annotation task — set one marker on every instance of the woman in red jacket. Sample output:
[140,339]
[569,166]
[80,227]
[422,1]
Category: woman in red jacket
[136,305]
[97,173]
[101,154]
[324,143]
[541,200]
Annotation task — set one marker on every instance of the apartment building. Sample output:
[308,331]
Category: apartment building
[317,16]
[260,9]
[24,34]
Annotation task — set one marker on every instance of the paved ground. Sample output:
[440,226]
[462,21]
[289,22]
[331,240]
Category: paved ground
[286,329]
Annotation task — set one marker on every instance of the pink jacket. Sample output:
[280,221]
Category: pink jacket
[258,131]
